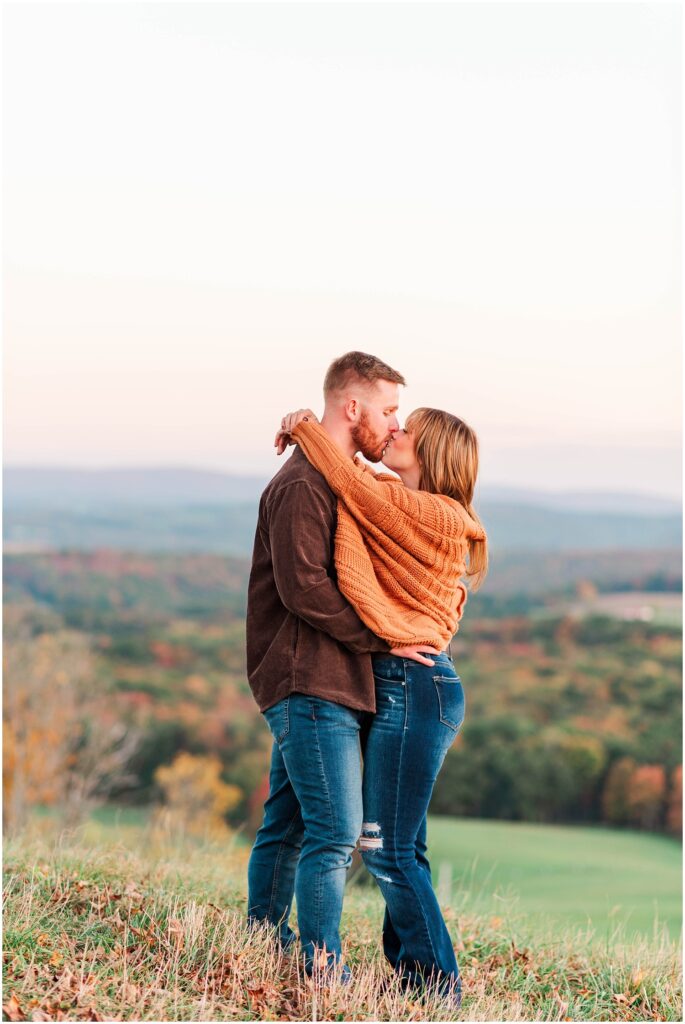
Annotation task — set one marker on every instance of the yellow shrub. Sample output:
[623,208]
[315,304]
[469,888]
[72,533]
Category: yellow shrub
[195,797]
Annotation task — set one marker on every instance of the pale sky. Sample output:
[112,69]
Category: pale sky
[204,204]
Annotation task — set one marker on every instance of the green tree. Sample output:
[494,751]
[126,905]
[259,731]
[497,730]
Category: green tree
[614,802]
[674,814]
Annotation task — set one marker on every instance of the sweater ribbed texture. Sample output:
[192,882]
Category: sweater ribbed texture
[399,553]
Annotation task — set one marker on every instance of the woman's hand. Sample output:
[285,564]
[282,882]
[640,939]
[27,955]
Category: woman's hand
[288,424]
[413,652]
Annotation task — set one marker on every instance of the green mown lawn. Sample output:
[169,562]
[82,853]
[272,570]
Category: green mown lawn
[555,876]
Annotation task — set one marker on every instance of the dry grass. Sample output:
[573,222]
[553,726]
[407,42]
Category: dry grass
[109,933]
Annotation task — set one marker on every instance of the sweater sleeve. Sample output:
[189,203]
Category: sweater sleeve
[340,471]
[300,549]
[386,503]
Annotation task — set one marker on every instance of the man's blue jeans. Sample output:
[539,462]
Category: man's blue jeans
[312,821]
[420,710]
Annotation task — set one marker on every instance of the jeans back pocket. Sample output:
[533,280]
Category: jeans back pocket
[451,700]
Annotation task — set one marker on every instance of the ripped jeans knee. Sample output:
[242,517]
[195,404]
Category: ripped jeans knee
[372,851]
[371,837]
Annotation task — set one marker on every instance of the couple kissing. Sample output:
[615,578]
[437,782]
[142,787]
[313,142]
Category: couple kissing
[356,589]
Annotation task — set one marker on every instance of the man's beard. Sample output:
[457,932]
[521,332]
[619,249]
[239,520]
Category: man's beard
[366,441]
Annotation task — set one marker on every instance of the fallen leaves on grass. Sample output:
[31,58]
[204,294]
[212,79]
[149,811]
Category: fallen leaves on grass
[12,1010]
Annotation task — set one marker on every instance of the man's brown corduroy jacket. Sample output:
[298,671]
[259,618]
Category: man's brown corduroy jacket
[302,635]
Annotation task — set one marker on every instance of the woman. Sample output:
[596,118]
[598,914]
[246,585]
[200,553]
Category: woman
[401,548]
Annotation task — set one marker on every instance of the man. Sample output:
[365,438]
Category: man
[309,666]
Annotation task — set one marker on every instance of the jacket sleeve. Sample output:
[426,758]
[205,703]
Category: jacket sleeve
[301,530]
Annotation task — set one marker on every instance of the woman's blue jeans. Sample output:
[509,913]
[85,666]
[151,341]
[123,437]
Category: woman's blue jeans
[420,710]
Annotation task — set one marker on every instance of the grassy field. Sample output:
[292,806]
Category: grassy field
[550,877]
[547,878]
[112,923]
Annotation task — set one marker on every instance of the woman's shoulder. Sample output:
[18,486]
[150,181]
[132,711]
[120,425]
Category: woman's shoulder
[472,528]
[449,510]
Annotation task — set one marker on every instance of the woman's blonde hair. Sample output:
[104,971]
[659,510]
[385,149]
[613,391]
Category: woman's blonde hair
[447,453]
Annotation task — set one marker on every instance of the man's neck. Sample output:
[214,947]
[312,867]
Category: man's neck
[339,433]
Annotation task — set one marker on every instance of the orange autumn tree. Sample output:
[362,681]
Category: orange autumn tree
[65,743]
[646,794]
[38,710]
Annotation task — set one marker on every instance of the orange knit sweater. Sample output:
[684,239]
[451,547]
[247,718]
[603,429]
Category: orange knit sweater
[399,553]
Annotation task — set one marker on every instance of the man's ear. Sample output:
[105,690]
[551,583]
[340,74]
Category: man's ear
[352,409]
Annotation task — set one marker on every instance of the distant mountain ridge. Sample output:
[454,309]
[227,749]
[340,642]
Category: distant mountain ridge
[156,485]
[585,501]
[229,528]
[84,489]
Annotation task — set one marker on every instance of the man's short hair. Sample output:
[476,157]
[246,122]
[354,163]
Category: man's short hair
[358,368]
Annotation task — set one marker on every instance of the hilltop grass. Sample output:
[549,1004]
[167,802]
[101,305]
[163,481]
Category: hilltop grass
[547,877]
[105,931]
